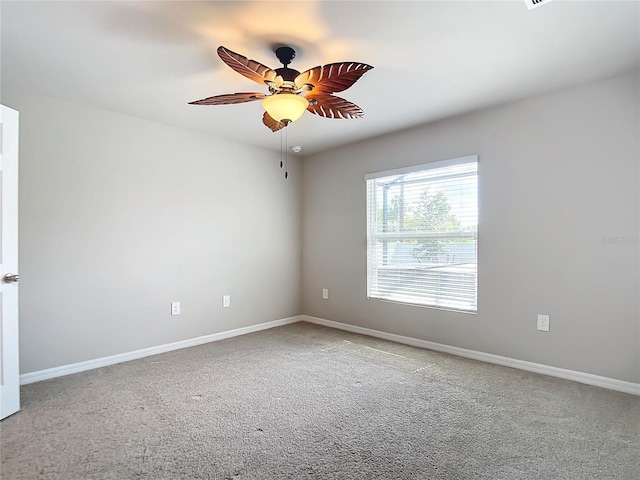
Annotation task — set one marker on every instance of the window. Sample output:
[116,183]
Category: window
[422,240]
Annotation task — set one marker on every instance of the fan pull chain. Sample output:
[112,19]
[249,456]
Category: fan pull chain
[286,152]
[281,148]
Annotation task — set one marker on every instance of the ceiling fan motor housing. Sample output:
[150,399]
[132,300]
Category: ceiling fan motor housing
[286,55]
[287,74]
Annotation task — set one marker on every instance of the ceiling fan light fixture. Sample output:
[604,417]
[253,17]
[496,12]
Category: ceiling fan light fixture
[285,107]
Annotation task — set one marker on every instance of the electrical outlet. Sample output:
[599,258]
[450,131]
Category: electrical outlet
[543,322]
[325,293]
[226,301]
[175,308]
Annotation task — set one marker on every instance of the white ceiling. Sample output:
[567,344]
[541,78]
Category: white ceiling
[432,59]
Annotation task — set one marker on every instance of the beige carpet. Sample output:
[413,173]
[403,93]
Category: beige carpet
[304,401]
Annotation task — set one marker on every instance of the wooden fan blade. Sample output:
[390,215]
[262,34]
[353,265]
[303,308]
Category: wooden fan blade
[271,123]
[331,78]
[330,106]
[249,68]
[230,99]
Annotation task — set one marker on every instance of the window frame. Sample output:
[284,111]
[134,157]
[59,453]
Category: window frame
[372,235]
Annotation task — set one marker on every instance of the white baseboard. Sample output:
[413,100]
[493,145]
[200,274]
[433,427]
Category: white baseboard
[61,371]
[588,378]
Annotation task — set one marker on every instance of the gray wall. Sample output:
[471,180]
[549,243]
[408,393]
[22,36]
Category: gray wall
[558,234]
[120,216]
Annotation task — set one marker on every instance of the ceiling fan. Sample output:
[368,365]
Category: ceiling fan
[292,92]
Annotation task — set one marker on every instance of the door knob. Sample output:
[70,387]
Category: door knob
[11,278]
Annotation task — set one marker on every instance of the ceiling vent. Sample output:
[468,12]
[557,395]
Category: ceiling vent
[531,4]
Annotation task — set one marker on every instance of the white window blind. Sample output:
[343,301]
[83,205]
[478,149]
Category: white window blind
[422,241]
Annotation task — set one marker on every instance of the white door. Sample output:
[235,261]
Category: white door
[9,357]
